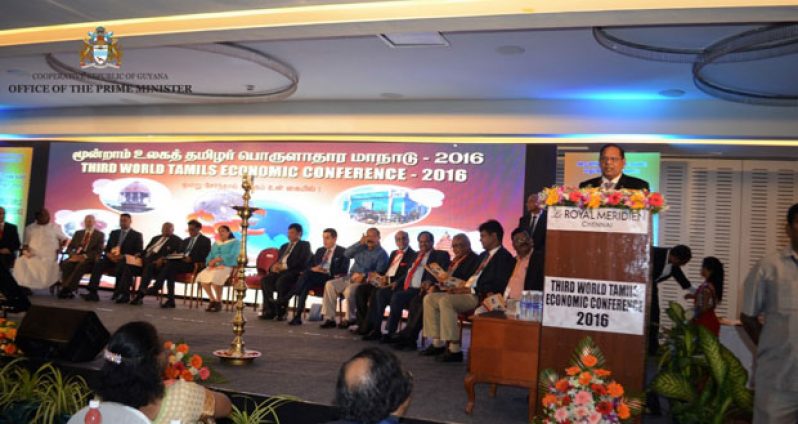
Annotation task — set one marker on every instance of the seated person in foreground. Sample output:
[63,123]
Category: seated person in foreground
[441,309]
[372,388]
[152,261]
[132,375]
[400,293]
[121,242]
[219,265]
[463,265]
[283,276]
[368,324]
[370,258]
[37,267]
[194,249]
[83,250]
[328,262]
[612,160]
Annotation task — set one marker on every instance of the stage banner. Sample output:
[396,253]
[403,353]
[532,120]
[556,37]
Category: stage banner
[15,168]
[442,188]
[597,305]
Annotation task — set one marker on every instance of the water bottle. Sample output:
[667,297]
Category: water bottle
[536,298]
[93,415]
[525,306]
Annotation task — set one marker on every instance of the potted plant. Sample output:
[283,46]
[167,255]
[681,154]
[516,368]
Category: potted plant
[263,412]
[702,379]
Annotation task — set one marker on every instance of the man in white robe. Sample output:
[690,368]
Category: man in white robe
[37,267]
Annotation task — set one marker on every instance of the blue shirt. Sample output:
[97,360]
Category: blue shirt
[366,260]
[228,252]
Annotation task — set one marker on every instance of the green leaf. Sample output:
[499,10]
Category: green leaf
[673,386]
[711,348]
[676,313]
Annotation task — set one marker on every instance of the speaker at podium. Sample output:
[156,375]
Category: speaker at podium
[50,333]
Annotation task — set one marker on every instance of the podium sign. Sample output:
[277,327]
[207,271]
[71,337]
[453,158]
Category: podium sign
[597,280]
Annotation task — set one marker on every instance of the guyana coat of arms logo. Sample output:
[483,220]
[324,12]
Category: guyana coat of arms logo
[100,50]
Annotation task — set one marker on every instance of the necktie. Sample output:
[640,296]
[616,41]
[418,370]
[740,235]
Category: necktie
[85,242]
[287,253]
[608,185]
[122,236]
[157,246]
[2,228]
[483,264]
[190,245]
[534,222]
[409,278]
[395,263]
[325,263]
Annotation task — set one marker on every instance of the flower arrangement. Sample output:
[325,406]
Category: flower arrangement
[585,394]
[592,198]
[183,364]
[8,333]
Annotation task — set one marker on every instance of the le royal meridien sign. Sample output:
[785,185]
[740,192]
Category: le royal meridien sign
[596,305]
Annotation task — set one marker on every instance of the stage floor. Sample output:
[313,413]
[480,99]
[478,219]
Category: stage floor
[303,361]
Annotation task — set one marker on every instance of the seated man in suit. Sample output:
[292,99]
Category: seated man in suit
[124,241]
[665,263]
[462,266]
[84,249]
[293,259]
[16,298]
[370,258]
[612,160]
[523,277]
[441,309]
[195,249]
[366,295]
[328,262]
[9,241]
[416,281]
[153,260]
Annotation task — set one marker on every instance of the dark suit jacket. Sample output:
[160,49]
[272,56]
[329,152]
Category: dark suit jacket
[404,265]
[539,235]
[132,244]
[300,256]
[200,249]
[496,273]
[466,268]
[10,241]
[339,264]
[659,258]
[626,181]
[94,247]
[439,257]
[172,245]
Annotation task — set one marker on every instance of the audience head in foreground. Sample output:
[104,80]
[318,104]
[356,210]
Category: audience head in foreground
[132,375]
[372,387]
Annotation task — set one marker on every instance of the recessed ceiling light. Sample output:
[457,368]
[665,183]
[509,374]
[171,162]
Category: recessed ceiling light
[673,93]
[414,39]
[392,96]
[510,50]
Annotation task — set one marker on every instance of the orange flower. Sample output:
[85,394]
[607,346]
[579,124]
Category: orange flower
[10,349]
[168,345]
[585,378]
[602,372]
[623,411]
[11,333]
[589,360]
[615,389]
[549,399]
[186,375]
[196,361]
[182,348]
[572,370]
[561,385]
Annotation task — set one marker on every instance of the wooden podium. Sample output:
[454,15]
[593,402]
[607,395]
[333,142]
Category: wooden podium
[597,284]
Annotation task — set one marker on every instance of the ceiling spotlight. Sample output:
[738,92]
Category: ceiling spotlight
[672,93]
[414,39]
[510,50]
